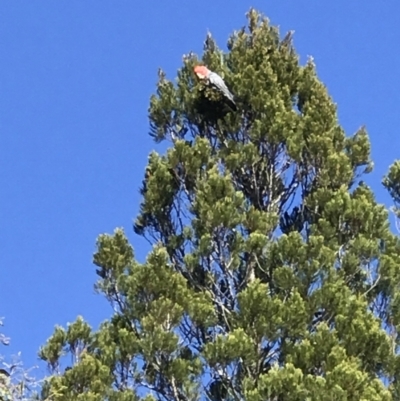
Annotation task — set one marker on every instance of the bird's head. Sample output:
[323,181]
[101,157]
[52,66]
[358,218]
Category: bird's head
[201,71]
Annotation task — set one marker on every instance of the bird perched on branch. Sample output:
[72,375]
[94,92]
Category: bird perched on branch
[214,80]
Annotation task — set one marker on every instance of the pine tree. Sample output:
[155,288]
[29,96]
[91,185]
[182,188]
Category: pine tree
[273,273]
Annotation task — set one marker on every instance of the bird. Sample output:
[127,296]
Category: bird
[214,80]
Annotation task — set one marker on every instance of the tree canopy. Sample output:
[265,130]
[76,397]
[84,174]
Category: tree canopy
[273,273]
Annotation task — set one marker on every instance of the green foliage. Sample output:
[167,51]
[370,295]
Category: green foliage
[392,183]
[273,274]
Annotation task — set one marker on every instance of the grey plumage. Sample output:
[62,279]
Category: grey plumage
[215,80]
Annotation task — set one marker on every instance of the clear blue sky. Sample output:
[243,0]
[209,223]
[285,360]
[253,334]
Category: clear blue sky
[75,82]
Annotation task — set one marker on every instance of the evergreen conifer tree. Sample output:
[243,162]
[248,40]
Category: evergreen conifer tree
[273,274]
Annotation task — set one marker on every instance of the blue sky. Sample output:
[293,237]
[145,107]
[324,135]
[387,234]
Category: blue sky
[75,82]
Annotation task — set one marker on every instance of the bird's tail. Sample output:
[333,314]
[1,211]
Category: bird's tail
[232,104]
